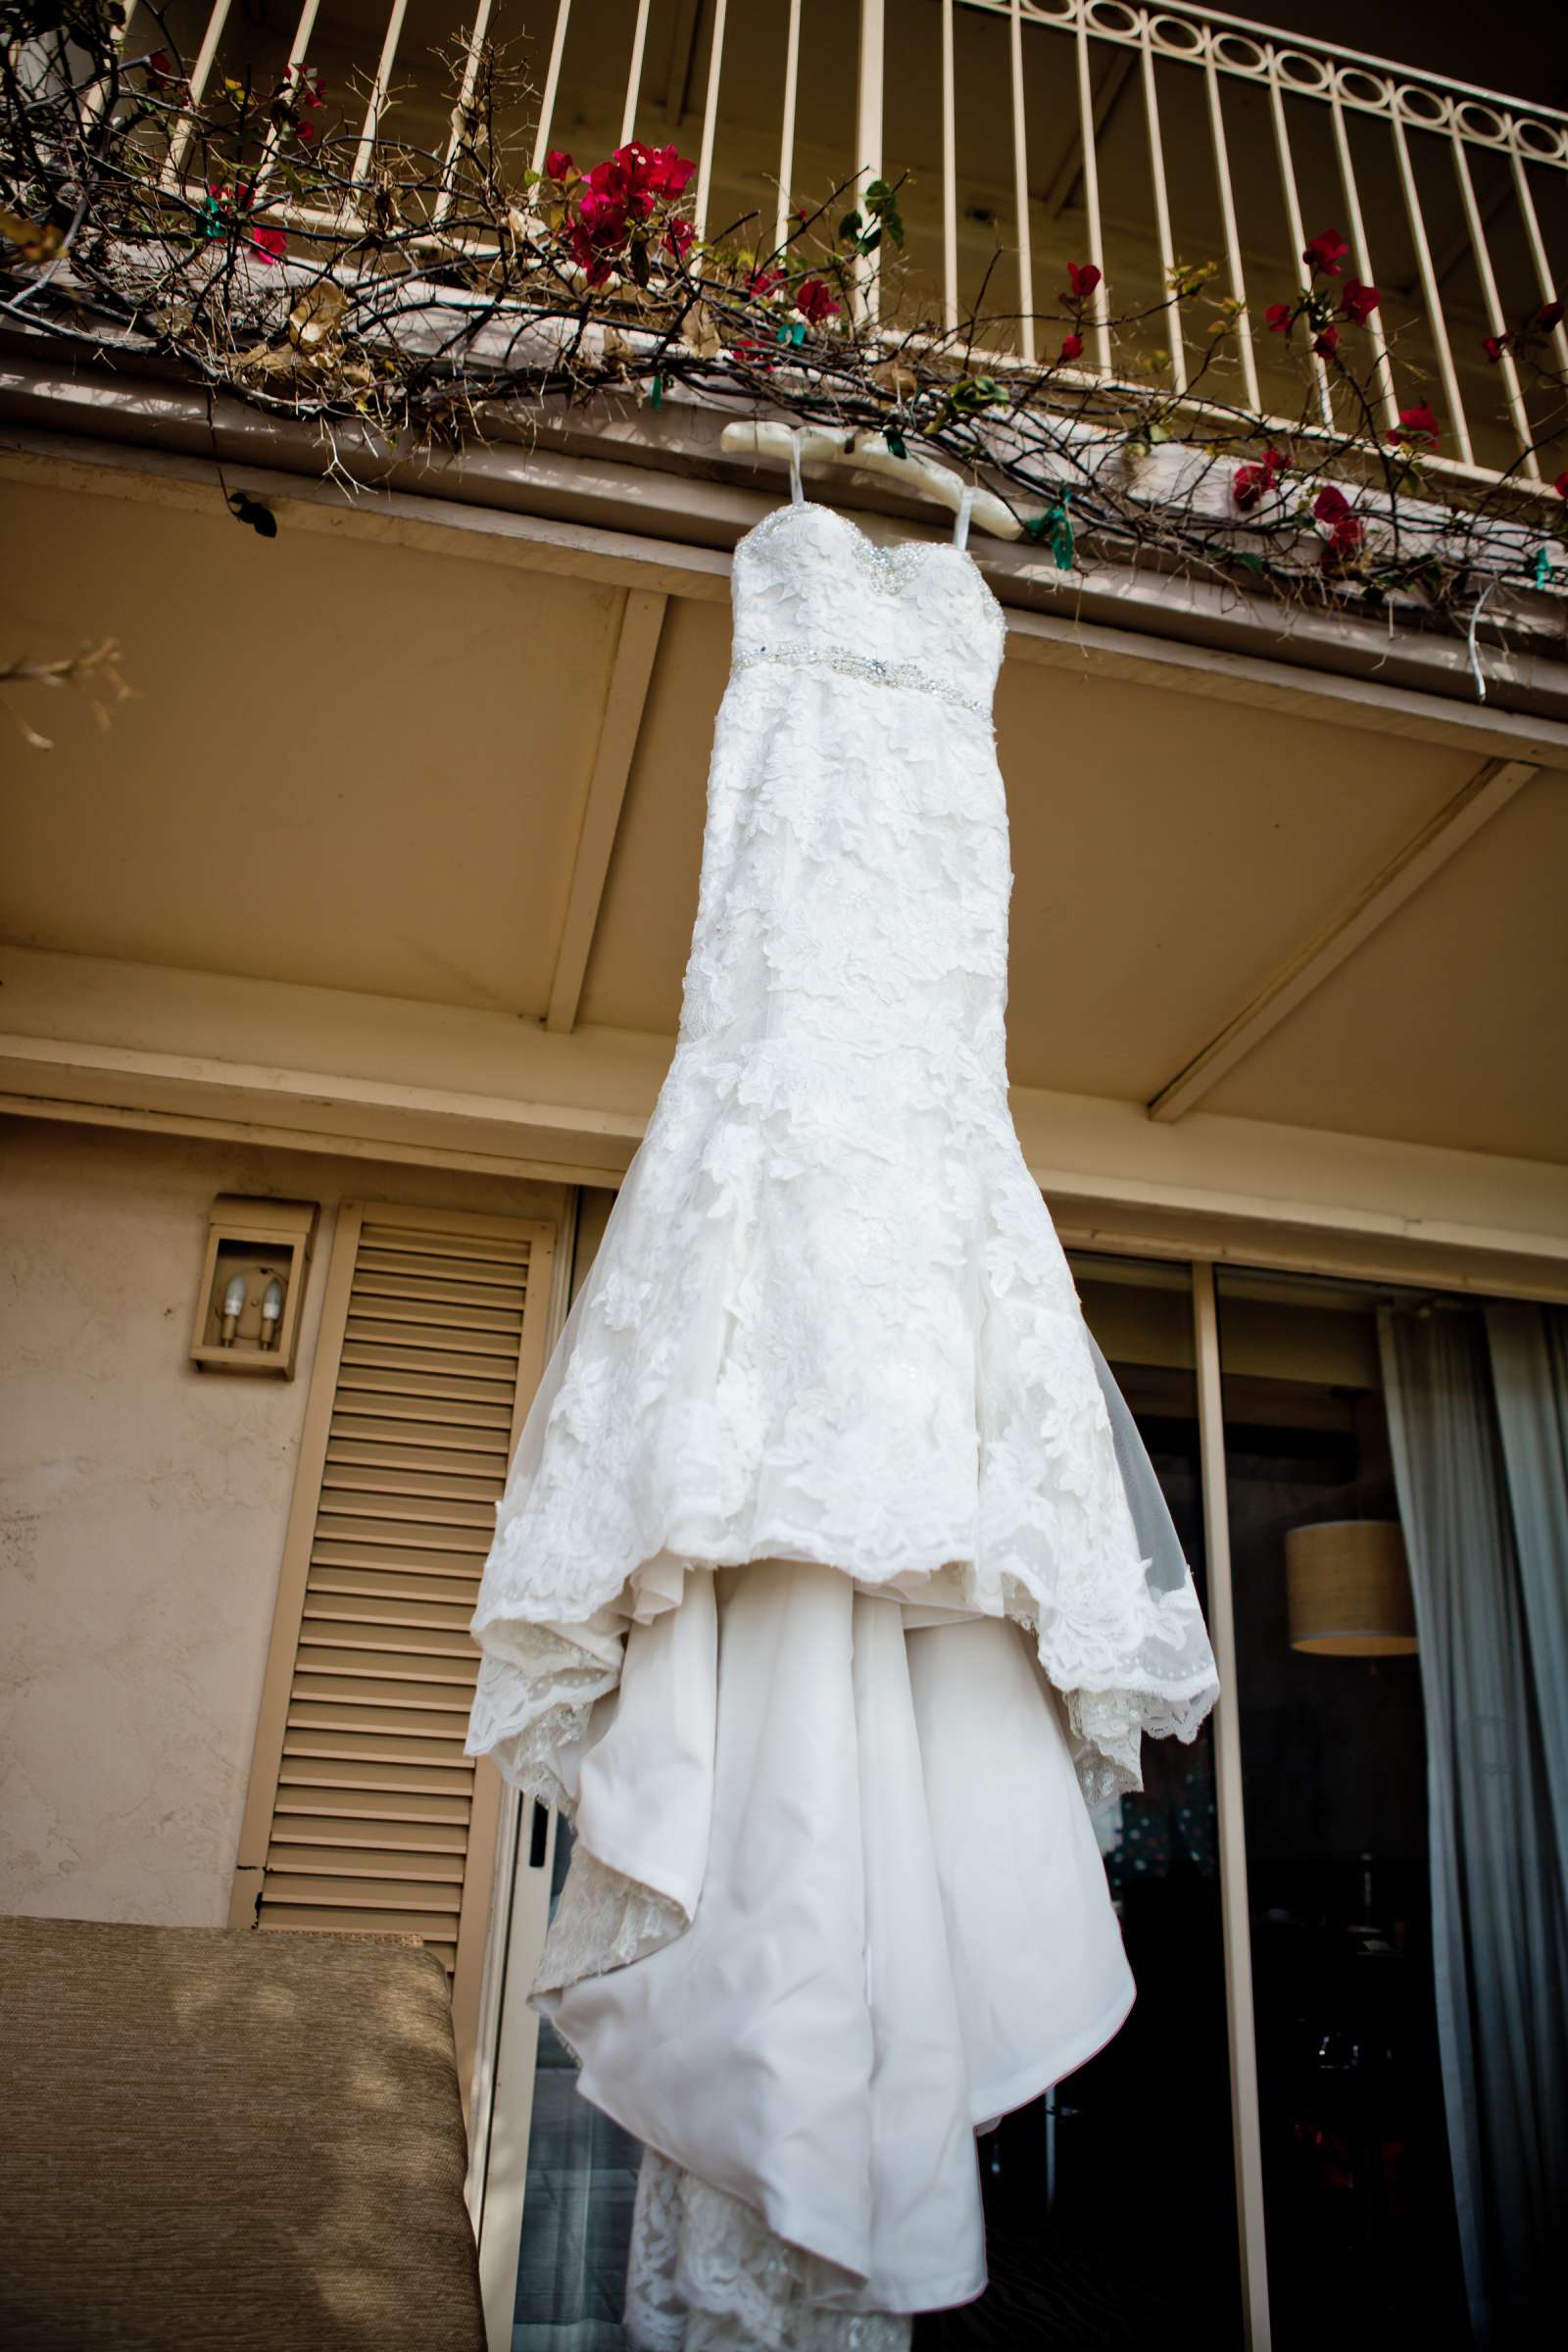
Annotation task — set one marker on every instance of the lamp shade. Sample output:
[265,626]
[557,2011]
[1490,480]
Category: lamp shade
[1349,1587]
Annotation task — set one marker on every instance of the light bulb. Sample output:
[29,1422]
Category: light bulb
[234,1296]
[271,1312]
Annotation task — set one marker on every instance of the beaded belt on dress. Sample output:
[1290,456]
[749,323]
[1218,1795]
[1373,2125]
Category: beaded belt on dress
[914,675]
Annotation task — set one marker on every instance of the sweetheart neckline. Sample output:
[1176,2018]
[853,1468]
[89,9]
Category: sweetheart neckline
[873,548]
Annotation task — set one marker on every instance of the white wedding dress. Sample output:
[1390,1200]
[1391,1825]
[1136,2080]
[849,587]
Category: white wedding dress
[831,1584]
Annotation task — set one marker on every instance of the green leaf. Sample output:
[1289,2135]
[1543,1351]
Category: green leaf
[895,443]
[892,223]
[659,392]
[1160,432]
[1543,567]
[1252,564]
[850,228]
[798,331]
[869,242]
[879,195]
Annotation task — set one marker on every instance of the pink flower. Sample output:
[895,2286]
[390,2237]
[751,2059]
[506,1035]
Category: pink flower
[270,243]
[1082,280]
[1072,348]
[814,301]
[1495,346]
[763,282]
[679,235]
[1279,317]
[1550,317]
[1561,485]
[1331,504]
[1325,254]
[558,164]
[1327,343]
[1358,303]
[1417,428]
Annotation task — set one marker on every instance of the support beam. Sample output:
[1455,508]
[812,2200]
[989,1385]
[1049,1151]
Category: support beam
[1443,836]
[642,619]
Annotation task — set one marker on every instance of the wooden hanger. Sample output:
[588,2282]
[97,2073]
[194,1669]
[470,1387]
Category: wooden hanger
[869,453]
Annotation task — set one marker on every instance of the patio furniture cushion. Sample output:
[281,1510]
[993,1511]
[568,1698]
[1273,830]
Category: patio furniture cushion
[216,2137]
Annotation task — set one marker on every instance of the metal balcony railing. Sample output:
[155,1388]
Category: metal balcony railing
[1025,133]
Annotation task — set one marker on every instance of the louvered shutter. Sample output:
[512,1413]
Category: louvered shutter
[363,1815]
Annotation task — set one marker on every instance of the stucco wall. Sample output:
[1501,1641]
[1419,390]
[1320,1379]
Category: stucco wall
[143,1506]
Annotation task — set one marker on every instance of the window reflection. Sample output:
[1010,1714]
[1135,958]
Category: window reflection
[1358,2214]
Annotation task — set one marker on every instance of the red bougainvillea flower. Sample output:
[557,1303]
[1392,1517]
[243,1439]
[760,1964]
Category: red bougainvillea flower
[763,282]
[1561,485]
[679,235]
[1417,428]
[1255,482]
[1082,280]
[1326,254]
[558,164]
[1495,346]
[1346,529]
[1072,348]
[1358,303]
[814,301]
[1279,317]
[270,243]
[1550,317]
[1327,343]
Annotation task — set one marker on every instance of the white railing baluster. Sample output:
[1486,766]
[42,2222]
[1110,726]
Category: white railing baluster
[1097,241]
[180,144]
[634,71]
[1156,170]
[705,153]
[1387,391]
[1020,192]
[1233,242]
[552,89]
[378,89]
[1495,317]
[1537,253]
[1429,293]
[786,134]
[950,175]
[298,50]
[470,74]
[1293,216]
[868,138]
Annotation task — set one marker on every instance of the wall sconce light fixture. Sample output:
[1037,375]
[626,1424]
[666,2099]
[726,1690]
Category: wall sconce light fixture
[253,1285]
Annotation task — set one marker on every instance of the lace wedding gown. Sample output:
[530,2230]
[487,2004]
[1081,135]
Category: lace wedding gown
[832,1584]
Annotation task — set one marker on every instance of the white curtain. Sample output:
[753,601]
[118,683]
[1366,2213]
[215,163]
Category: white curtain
[1480,1466]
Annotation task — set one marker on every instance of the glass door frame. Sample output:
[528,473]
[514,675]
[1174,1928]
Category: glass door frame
[502,2095]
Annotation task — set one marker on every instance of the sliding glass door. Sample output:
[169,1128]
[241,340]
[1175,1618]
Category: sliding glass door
[1361,2231]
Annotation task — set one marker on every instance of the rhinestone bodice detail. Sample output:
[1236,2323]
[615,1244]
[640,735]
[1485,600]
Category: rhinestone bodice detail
[810,588]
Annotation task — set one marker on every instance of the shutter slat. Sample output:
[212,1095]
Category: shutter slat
[410,1460]
[398,1428]
[325,1611]
[382,1894]
[430,1486]
[437,1654]
[377,1397]
[403,1536]
[390,1558]
[484,1277]
[363,1503]
[444,1291]
[397,1587]
[367,1810]
[313,1767]
[325,1832]
[478,1251]
[433,1872]
[471,1328]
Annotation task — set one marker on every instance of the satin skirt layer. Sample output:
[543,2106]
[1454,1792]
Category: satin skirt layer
[836,1901]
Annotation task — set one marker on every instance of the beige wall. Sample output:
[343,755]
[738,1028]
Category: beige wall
[142,1509]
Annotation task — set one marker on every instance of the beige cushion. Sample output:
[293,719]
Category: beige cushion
[230,2138]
